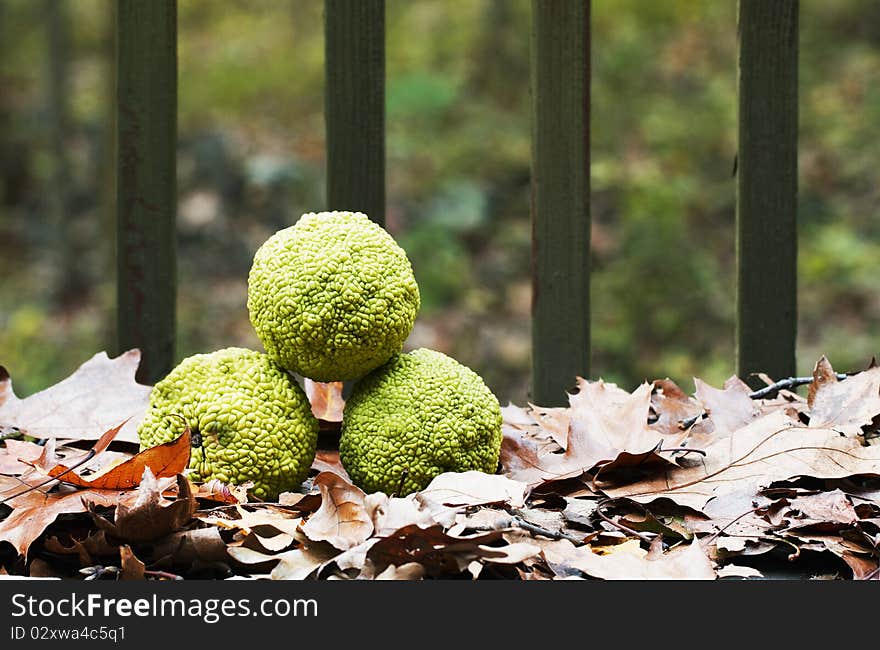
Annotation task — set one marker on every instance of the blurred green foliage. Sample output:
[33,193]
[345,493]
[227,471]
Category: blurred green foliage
[251,160]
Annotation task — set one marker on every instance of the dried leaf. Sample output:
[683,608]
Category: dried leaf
[848,405]
[823,374]
[606,424]
[19,456]
[342,520]
[131,567]
[149,518]
[326,399]
[328,461]
[164,460]
[772,448]
[390,514]
[97,397]
[730,408]
[472,489]
[34,511]
[734,571]
[682,563]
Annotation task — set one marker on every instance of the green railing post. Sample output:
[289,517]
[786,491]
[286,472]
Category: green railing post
[355,106]
[146,181]
[766,188]
[560,197]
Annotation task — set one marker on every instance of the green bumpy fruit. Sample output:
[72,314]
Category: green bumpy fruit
[333,296]
[420,415]
[254,420]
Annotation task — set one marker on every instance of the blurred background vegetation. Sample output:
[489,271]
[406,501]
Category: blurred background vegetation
[251,160]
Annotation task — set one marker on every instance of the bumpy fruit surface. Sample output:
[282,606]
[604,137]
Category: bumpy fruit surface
[254,420]
[420,415]
[333,296]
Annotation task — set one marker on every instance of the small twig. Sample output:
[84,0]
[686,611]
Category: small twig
[519,522]
[782,384]
[730,523]
[163,574]
[685,450]
[642,536]
[791,382]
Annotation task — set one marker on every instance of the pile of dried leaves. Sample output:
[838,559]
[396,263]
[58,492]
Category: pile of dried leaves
[652,484]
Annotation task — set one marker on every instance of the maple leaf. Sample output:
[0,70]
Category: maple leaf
[342,520]
[98,396]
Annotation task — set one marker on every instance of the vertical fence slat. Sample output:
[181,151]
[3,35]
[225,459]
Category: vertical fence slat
[560,197]
[355,105]
[146,181]
[766,211]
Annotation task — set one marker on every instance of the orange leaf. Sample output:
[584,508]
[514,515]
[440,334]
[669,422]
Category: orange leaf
[164,460]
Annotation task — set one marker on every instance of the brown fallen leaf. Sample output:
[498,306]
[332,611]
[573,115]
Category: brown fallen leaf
[772,448]
[844,406]
[473,489]
[131,568]
[19,456]
[89,551]
[34,511]
[298,564]
[671,406]
[342,520]
[99,395]
[150,516]
[410,571]
[438,552]
[730,408]
[273,528]
[165,460]
[607,424]
[187,547]
[390,514]
[681,563]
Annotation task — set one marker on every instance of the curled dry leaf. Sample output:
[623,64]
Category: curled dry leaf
[131,568]
[390,514]
[97,397]
[148,518]
[342,520]
[298,564]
